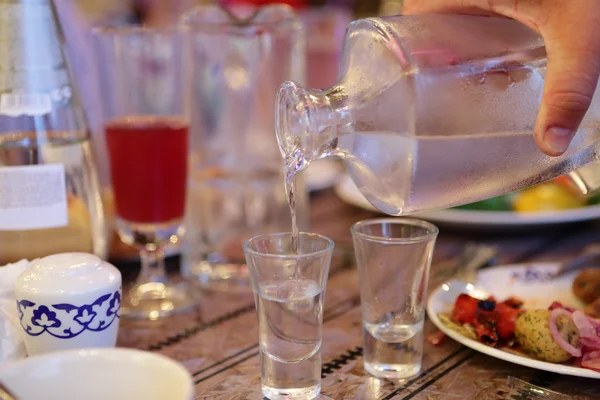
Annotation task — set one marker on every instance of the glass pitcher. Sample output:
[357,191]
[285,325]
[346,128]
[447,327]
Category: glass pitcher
[236,189]
[432,111]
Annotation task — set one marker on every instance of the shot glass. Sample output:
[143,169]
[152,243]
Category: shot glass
[393,257]
[289,291]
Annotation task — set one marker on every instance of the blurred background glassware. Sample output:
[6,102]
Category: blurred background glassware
[324,22]
[50,198]
[145,105]
[325,27]
[391,7]
[77,17]
[236,188]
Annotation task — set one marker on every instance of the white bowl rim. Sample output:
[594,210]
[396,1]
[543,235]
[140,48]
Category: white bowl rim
[103,352]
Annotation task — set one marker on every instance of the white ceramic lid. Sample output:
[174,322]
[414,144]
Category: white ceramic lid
[67,274]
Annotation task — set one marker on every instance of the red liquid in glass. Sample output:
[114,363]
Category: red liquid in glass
[148,163]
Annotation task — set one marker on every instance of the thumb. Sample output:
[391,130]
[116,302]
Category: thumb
[570,84]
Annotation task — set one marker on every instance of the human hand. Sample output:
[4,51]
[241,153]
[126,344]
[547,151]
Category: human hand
[573,50]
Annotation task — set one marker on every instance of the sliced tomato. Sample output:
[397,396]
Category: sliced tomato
[513,302]
[465,309]
[486,316]
[492,320]
[486,333]
[563,180]
[506,316]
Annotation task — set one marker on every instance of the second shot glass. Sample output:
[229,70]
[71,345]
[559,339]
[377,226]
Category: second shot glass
[393,257]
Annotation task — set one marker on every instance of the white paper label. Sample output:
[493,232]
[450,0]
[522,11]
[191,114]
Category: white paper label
[33,197]
[16,104]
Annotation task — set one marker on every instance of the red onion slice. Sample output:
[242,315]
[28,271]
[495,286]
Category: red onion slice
[590,344]
[595,323]
[591,360]
[583,324]
[557,304]
[554,314]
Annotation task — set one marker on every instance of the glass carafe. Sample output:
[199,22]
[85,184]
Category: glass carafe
[432,111]
[49,193]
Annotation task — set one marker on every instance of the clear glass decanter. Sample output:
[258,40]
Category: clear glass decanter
[433,111]
[50,200]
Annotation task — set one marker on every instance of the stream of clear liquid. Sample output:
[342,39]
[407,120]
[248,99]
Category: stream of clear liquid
[290,188]
[294,163]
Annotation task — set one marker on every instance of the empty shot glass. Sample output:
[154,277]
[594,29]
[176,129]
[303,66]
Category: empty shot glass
[289,292]
[393,257]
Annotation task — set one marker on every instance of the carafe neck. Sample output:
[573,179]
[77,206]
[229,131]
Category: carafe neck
[307,123]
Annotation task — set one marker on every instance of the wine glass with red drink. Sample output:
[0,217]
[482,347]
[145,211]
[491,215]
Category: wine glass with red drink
[142,77]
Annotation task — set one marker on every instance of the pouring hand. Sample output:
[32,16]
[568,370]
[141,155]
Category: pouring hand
[573,50]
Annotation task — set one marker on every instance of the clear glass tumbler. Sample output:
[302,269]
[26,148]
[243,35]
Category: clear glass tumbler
[393,257]
[289,291]
[236,188]
[145,103]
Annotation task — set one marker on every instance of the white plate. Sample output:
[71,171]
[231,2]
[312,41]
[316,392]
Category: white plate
[526,281]
[347,191]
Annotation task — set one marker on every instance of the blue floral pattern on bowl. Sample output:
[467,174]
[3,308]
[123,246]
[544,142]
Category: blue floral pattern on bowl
[66,321]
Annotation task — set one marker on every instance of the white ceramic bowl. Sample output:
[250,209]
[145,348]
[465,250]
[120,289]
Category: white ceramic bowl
[98,374]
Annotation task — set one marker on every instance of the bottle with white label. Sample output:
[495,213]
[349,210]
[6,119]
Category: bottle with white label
[50,199]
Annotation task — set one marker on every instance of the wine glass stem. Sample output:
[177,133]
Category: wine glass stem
[153,266]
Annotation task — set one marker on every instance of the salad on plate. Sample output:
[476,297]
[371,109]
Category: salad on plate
[556,334]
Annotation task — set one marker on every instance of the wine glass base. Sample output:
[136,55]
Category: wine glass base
[157,300]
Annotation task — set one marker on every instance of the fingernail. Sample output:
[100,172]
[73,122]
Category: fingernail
[558,139]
